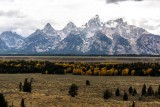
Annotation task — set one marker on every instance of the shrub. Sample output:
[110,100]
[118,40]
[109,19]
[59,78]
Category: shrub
[107,94]
[144,90]
[125,96]
[150,91]
[87,82]
[73,90]
[130,90]
[3,103]
[117,93]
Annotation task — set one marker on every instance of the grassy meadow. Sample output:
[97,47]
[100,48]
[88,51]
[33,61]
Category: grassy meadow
[52,90]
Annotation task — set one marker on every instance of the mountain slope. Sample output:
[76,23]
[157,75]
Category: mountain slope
[41,40]
[113,37]
[3,46]
[121,45]
[12,40]
[98,44]
[70,45]
[149,44]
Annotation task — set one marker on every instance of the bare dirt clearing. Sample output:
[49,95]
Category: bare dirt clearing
[52,90]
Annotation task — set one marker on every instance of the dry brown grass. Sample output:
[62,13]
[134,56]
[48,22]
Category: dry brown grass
[52,90]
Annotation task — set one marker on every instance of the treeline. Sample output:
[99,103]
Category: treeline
[31,67]
[79,68]
[106,69]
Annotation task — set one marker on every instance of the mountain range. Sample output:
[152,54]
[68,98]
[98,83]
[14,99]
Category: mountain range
[114,37]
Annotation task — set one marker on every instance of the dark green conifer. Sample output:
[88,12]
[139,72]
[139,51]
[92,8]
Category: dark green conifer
[3,103]
[150,91]
[73,90]
[125,96]
[130,90]
[144,92]
[117,92]
[22,103]
[107,94]
[87,82]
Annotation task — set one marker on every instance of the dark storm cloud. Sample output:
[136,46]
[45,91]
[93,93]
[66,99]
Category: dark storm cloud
[11,13]
[116,1]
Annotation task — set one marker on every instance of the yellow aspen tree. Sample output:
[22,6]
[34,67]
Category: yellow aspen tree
[125,72]
[89,72]
[95,71]
[115,72]
[133,72]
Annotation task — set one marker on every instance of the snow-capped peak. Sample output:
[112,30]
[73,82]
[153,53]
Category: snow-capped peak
[94,22]
[48,29]
[12,39]
[115,23]
[120,20]
[10,34]
[70,25]
[48,26]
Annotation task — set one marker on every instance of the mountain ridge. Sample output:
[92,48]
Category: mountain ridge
[113,37]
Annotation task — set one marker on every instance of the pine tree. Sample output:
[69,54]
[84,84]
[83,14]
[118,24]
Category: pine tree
[107,94]
[150,91]
[117,93]
[87,82]
[159,90]
[20,86]
[134,92]
[3,103]
[125,96]
[27,87]
[133,104]
[144,90]
[22,103]
[73,90]
[130,90]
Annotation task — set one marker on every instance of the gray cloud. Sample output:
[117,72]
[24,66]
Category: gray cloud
[116,1]
[11,13]
[149,24]
[6,0]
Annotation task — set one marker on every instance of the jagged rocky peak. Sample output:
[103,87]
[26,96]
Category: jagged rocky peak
[119,20]
[115,23]
[70,25]
[48,26]
[94,22]
[48,29]
[9,33]
[12,39]
[38,31]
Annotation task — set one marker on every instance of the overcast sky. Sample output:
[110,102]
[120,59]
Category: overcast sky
[25,16]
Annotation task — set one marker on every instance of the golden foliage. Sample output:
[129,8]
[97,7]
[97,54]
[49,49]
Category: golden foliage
[125,72]
[133,72]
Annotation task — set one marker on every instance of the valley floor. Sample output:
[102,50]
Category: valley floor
[52,90]
[114,59]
